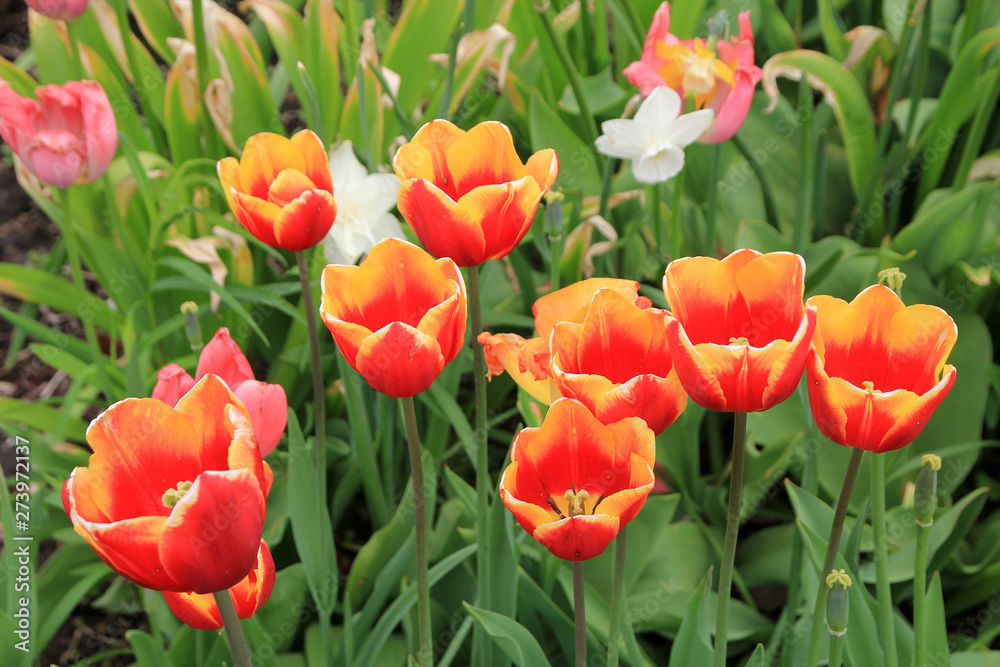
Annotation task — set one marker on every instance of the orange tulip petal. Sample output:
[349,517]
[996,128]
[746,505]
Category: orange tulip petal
[399,360]
[211,539]
[446,324]
[264,156]
[506,352]
[349,336]
[771,286]
[543,166]
[255,589]
[656,400]
[224,358]
[206,409]
[142,447]
[485,155]
[131,548]
[229,175]
[198,611]
[317,164]
[579,537]
[287,186]
[570,304]
[86,496]
[443,227]
[505,213]
[305,221]
[257,215]
[423,157]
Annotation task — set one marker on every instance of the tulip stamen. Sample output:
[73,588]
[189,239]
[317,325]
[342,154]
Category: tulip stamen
[173,496]
[593,510]
[577,500]
[555,508]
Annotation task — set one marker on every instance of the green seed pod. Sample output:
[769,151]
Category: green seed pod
[192,327]
[836,602]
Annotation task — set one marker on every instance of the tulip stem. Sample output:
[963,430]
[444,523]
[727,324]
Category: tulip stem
[141,91]
[617,599]
[676,239]
[579,614]
[74,48]
[836,649]
[656,222]
[836,530]
[319,399]
[803,230]
[712,208]
[420,526]
[886,631]
[484,486]
[732,532]
[920,597]
[234,631]
[73,251]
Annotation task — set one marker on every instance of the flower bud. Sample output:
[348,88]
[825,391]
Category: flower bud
[925,494]
[836,602]
[892,278]
[192,327]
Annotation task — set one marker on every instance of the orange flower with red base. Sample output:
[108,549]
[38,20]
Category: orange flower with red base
[398,318]
[878,369]
[740,332]
[573,483]
[173,498]
[467,195]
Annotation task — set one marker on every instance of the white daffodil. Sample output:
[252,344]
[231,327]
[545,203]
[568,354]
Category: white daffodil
[655,139]
[363,204]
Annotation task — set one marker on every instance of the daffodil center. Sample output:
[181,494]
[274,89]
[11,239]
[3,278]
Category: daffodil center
[739,340]
[173,496]
[869,386]
[576,501]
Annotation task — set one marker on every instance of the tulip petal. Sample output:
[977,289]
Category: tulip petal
[656,400]
[643,76]
[287,186]
[570,304]
[131,548]
[543,166]
[224,358]
[172,382]
[771,286]
[199,611]
[316,166]
[206,411]
[264,156]
[580,537]
[505,352]
[267,406]
[426,207]
[732,112]
[257,215]
[211,539]
[485,155]
[423,157]
[304,222]
[504,212]
[400,360]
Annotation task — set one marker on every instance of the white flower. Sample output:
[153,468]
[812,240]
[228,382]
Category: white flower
[655,139]
[363,204]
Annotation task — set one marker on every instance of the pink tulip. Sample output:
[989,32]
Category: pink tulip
[67,137]
[64,10]
[722,79]
[266,403]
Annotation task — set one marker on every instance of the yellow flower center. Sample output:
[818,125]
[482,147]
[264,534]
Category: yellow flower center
[741,340]
[698,71]
[869,386]
[173,496]
[576,501]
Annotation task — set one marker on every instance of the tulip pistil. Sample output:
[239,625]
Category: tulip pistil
[173,496]
[576,501]
[869,387]
[739,340]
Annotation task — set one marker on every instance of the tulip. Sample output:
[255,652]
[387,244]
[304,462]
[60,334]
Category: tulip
[63,10]
[202,613]
[722,78]
[528,361]
[266,404]
[281,189]
[67,137]
[617,363]
[878,370]
[398,318]
[467,195]
[573,483]
[740,333]
[173,498]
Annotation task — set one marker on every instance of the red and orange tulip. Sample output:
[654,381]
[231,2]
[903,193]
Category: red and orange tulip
[266,403]
[740,332]
[467,195]
[617,363]
[398,318]
[573,482]
[529,361]
[202,613]
[173,498]
[878,370]
[281,190]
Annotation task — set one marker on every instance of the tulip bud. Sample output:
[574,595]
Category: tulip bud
[63,10]
[836,602]
[925,494]
[553,216]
